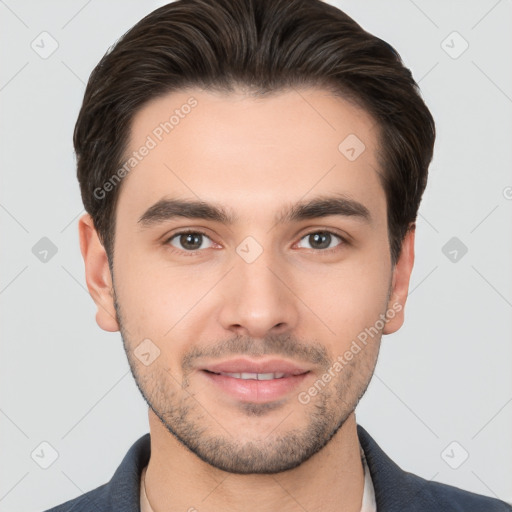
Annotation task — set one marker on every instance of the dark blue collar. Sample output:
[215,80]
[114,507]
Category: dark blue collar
[395,489]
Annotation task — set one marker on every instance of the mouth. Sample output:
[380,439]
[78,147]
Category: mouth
[246,368]
[253,376]
[255,381]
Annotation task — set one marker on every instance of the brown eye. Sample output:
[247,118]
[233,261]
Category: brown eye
[188,241]
[322,240]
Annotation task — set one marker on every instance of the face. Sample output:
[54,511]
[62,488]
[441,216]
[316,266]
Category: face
[251,258]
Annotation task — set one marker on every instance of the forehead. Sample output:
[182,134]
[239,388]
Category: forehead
[251,153]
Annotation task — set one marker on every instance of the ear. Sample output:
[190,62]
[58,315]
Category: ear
[400,283]
[97,274]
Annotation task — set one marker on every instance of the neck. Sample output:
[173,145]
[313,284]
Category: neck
[331,480]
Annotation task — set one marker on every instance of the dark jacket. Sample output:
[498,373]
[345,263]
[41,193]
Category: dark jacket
[395,490]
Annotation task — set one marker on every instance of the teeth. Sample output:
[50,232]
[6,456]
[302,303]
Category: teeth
[254,376]
[270,376]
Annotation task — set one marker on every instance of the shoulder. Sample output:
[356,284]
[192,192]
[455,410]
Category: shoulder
[92,501]
[122,492]
[399,490]
[429,495]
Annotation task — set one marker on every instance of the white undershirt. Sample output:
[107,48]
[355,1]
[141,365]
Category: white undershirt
[368,504]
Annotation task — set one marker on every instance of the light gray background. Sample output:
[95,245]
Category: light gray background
[444,377]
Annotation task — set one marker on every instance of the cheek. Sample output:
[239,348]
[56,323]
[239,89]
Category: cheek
[158,300]
[139,294]
[350,298]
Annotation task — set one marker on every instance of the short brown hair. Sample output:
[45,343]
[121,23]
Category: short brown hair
[264,46]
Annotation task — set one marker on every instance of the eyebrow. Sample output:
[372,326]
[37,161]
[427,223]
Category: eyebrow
[323,206]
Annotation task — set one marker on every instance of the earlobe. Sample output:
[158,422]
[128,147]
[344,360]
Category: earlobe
[97,274]
[400,284]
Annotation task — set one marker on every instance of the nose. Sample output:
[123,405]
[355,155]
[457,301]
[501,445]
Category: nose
[258,299]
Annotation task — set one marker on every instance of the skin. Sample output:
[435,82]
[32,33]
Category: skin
[296,301]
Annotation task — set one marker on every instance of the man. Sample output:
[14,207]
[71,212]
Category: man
[252,172]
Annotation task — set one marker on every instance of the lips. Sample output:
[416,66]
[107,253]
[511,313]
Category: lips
[242,368]
[257,381]
[253,376]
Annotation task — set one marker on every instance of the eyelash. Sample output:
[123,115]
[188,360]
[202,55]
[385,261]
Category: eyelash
[344,241]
